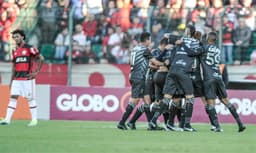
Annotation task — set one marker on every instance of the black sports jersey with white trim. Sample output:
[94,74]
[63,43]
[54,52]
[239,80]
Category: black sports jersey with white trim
[139,61]
[210,62]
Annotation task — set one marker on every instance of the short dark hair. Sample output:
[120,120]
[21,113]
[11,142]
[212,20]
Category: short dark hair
[197,35]
[212,36]
[20,32]
[145,36]
[164,41]
[192,29]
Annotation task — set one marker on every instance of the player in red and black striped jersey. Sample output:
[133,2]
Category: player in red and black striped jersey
[27,62]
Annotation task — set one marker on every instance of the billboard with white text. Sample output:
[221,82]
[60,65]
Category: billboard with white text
[108,104]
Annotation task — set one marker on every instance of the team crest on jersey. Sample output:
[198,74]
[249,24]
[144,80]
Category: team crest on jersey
[24,52]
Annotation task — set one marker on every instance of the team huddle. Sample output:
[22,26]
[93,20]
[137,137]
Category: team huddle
[171,76]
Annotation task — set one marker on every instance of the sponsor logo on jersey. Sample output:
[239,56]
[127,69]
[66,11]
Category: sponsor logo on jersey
[24,52]
[21,59]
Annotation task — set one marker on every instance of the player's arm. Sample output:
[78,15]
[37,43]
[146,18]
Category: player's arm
[156,62]
[193,52]
[152,66]
[147,54]
[12,75]
[39,59]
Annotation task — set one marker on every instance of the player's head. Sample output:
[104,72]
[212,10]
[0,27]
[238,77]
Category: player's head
[212,37]
[19,36]
[190,30]
[197,35]
[19,32]
[145,37]
[164,41]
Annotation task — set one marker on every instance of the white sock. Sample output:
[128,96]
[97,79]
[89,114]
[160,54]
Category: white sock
[11,108]
[33,109]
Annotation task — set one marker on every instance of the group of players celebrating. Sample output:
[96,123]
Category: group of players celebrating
[171,76]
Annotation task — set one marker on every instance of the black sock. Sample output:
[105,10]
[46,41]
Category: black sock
[188,111]
[213,116]
[232,110]
[173,112]
[147,112]
[166,101]
[207,112]
[166,117]
[178,113]
[137,114]
[182,117]
[127,113]
[162,108]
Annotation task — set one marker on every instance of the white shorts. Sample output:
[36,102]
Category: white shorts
[24,88]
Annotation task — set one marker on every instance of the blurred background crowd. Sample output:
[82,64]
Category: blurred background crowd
[104,31]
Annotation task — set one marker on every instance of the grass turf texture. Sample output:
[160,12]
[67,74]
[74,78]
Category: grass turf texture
[104,137]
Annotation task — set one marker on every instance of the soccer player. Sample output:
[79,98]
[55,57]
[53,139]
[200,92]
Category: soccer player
[23,77]
[213,82]
[181,69]
[179,74]
[148,98]
[150,88]
[140,58]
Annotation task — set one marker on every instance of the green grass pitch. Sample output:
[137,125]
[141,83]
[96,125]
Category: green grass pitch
[104,137]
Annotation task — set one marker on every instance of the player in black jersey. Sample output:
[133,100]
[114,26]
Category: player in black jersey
[179,74]
[148,98]
[140,58]
[149,85]
[160,75]
[177,107]
[213,83]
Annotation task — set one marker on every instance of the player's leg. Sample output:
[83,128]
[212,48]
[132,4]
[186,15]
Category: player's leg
[210,88]
[163,105]
[234,113]
[186,84]
[159,81]
[30,95]
[10,110]
[207,112]
[213,115]
[176,102]
[135,117]
[16,90]
[173,111]
[137,93]
[33,111]
[199,92]
[189,102]
[128,110]
[148,92]
[222,94]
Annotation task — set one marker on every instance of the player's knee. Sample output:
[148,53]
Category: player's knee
[210,107]
[175,104]
[190,100]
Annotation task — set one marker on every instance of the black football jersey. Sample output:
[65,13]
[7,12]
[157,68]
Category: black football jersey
[139,61]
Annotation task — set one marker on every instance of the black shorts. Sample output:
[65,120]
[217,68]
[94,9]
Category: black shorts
[178,83]
[197,84]
[170,85]
[214,88]
[138,88]
[149,88]
[159,81]
[184,81]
